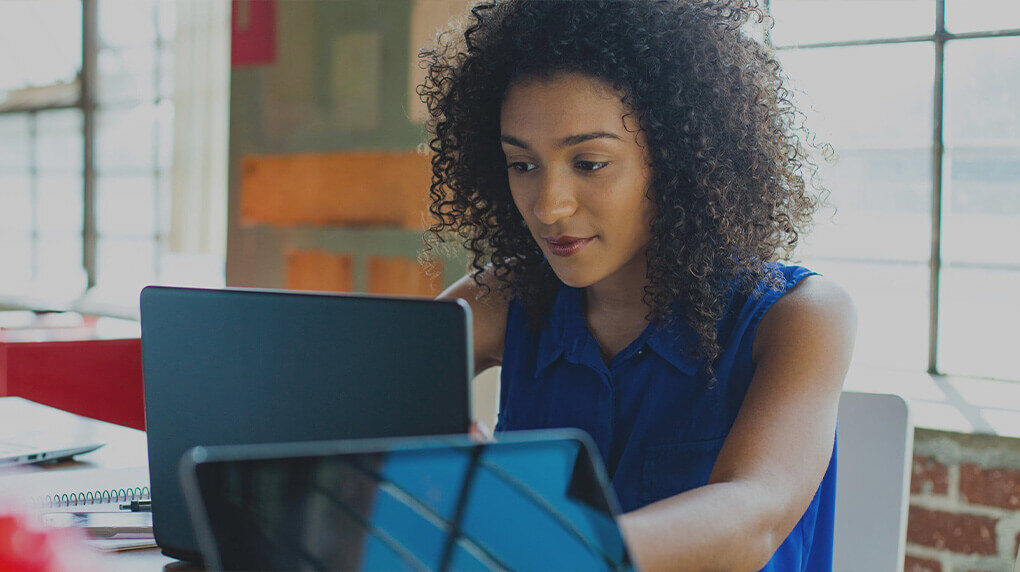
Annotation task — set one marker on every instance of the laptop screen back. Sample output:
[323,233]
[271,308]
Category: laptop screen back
[233,367]
[528,505]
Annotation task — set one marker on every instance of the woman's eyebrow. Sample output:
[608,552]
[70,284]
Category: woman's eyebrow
[565,142]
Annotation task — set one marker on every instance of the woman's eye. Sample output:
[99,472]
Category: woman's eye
[591,165]
[521,166]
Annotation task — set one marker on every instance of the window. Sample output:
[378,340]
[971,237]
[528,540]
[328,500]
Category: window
[87,123]
[41,149]
[919,100]
[133,142]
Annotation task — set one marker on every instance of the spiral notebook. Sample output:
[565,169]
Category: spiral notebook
[94,490]
[80,490]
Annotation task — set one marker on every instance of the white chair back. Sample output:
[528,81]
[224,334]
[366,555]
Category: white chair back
[874,457]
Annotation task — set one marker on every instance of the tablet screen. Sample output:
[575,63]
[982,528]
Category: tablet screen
[529,505]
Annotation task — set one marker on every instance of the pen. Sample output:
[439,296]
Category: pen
[138,506]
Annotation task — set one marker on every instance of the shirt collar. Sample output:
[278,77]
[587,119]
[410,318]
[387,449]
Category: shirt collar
[565,332]
[677,343]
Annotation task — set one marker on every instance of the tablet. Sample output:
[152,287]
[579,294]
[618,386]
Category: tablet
[532,501]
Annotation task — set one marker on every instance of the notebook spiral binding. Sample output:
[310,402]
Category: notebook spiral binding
[87,498]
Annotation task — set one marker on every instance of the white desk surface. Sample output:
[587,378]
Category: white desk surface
[125,448]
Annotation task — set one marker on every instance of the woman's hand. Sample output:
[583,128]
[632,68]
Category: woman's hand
[626,523]
[480,432]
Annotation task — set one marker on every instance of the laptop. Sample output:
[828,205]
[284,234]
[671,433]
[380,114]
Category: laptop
[537,500]
[34,433]
[228,367]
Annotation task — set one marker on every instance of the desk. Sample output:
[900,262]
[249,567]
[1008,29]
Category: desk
[125,448]
[89,366]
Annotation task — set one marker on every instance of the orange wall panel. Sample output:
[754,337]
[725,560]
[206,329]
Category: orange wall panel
[325,189]
[400,277]
[319,270]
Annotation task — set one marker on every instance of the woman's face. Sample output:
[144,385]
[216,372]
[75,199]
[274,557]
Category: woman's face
[579,174]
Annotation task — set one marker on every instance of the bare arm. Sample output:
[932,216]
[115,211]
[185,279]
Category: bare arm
[776,453]
[488,318]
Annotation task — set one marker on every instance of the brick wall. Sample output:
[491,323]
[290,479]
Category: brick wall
[964,503]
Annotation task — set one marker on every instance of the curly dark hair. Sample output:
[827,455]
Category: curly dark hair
[729,152]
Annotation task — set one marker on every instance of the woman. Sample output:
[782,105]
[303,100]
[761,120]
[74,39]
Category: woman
[626,175]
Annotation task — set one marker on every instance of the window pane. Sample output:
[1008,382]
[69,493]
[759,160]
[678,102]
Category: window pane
[15,204]
[167,10]
[125,267]
[125,206]
[126,75]
[125,139]
[880,182]
[166,73]
[59,146]
[164,204]
[15,263]
[15,142]
[883,207]
[981,222]
[837,89]
[125,23]
[165,117]
[892,311]
[816,21]
[978,322]
[981,15]
[40,43]
[60,204]
[981,218]
[982,83]
[61,274]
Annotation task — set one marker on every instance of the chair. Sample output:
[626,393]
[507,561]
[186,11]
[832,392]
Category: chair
[873,462]
[1016,565]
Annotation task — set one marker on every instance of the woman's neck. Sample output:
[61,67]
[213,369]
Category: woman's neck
[621,293]
[615,311]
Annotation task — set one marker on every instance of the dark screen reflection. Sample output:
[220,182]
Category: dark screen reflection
[528,505]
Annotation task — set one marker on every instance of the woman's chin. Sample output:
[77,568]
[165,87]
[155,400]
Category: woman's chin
[575,277]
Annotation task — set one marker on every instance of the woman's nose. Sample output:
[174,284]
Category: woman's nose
[555,200]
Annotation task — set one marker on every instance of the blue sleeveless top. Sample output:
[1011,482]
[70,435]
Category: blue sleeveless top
[650,411]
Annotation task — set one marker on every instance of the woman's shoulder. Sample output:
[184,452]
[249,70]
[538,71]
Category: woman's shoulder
[789,275]
[799,285]
[480,289]
[488,311]
[809,301]
[773,282]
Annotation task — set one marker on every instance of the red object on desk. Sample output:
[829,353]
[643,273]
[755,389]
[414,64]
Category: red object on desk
[97,378]
[27,547]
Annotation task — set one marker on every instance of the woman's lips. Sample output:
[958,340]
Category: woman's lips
[567,245]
